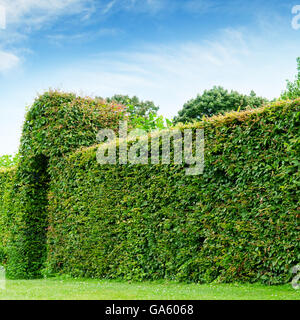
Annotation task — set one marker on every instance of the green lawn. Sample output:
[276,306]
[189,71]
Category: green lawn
[60,289]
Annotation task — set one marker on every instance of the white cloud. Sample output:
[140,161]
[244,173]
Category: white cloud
[7,61]
[156,5]
[61,39]
[198,6]
[108,6]
[144,6]
[2,17]
[23,16]
[171,74]
[35,12]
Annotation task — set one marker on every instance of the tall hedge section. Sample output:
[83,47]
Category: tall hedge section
[236,222]
[56,124]
[63,213]
[6,184]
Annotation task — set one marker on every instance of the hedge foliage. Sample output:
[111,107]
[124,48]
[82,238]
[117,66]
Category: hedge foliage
[62,212]
[56,124]
[6,183]
[236,222]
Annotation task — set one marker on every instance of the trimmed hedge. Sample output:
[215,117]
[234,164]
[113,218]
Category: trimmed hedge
[236,222]
[56,124]
[6,183]
[62,212]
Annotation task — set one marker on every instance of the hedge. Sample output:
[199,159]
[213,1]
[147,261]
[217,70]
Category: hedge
[236,222]
[63,213]
[6,183]
[56,124]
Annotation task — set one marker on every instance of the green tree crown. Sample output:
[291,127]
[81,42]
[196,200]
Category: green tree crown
[292,87]
[217,100]
[135,106]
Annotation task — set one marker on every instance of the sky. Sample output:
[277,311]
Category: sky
[167,51]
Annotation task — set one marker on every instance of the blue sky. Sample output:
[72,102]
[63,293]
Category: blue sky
[163,50]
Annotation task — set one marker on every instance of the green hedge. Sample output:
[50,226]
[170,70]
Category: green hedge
[236,222]
[62,212]
[55,125]
[6,182]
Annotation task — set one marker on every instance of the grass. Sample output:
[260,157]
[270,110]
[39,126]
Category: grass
[76,289]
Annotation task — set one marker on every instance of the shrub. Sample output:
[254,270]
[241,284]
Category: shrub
[56,124]
[6,182]
[62,212]
[236,222]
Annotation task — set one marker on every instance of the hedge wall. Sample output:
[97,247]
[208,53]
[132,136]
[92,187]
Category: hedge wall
[236,222]
[62,212]
[56,124]
[6,182]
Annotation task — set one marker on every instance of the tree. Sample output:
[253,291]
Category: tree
[142,114]
[135,106]
[217,100]
[292,88]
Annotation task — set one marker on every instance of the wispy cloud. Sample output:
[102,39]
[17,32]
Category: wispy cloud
[8,61]
[33,13]
[22,17]
[108,6]
[155,6]
[139,6]
[2,17]
[83,37]
[171,74]
[198,6]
